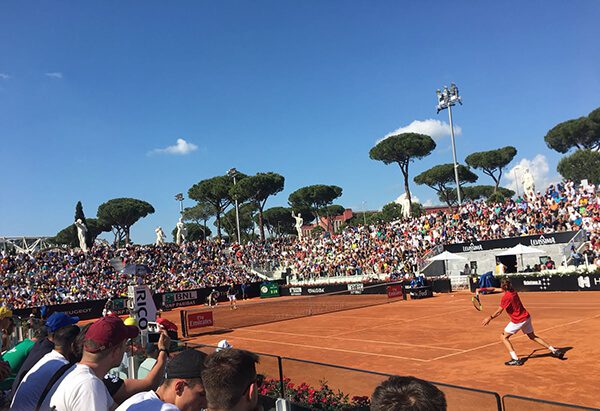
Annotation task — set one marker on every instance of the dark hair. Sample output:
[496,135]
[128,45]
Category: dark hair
[78,344]
[506,285]
[407,393]
[65,336]
[227,376]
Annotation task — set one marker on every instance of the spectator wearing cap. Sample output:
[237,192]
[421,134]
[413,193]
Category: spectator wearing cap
[103,348]
[182,389]
[32,386]
[231,381]
[407,393]
[43,345]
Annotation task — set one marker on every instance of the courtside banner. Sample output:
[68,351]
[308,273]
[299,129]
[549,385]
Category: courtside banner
[356,288]
[269,290]
[199,320]
[394,291]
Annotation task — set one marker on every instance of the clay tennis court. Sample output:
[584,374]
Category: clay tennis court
[439,339]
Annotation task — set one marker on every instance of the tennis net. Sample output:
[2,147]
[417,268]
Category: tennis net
[198,321]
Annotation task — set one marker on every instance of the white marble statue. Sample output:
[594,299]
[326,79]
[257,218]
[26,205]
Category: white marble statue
[181,231]
[160,236]
[299,223]
[405,204]
[528,185]
[81,232]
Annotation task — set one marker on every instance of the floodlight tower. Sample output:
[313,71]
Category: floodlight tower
[446,99]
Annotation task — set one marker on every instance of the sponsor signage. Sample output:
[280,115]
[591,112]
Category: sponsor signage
[295,290]
[318,290]
[394,291]
[545,283]
[420,292]
[170,298]
[269,290]
[587,282]
[356,288]
[143,305]
[530,240]
[199,320]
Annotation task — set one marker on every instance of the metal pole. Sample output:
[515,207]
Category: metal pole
[454,154]
[237,216]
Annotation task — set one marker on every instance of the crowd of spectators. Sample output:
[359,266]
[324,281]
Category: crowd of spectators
[397,248]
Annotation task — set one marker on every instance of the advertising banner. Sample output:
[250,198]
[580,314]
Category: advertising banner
[269,290]
[530,240]
[199,320]
[356,288]
[588,282]
[143,305]
[394,291]
[180,299]
[295,291]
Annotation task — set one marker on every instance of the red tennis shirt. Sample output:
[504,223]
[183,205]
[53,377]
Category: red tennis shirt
[514,307]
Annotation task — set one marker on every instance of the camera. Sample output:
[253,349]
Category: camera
[153,332]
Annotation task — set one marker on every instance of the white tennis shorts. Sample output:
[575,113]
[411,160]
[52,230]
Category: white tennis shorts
[231,297]
[525,326]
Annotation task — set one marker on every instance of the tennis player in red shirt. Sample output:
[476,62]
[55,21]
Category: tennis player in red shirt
[519,320]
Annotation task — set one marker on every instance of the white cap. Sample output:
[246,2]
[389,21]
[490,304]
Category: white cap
[223,344]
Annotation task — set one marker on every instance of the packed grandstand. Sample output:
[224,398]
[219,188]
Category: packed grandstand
[63,275]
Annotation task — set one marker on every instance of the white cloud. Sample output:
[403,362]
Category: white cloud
[181,148]
[413,198]
[436,129]
[54,74]
[539,169]
[4,76]
[428,203]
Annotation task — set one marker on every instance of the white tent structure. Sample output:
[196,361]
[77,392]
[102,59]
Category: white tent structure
[519,250]
[445,257]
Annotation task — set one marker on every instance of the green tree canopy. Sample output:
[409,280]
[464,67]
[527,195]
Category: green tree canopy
[195,232]
[441,178]
[492,162]
[582,164]
[247,212]
[315,198]
[580,133]
[216,192]
[484,192]
[121,214]
[200,213]
[279,220]
[68,235]
[391,212]
[257,189]
[402,149]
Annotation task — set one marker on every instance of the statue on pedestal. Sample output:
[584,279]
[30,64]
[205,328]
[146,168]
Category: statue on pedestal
[181,231]
[160,236]
[405,204]
[299,223]
[528,185]
[81,232]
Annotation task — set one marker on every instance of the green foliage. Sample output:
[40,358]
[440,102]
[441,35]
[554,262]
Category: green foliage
[581,133]
[68,235]
[121,214]
[391,212]
[484,192]
[580,165]
[402,149]
[195,232]
[441,178]
[317,199]
[359,218]
[214,191]
[492,162]
[279,220]
[247,213]
[257,189]
[79,215]
[201,212]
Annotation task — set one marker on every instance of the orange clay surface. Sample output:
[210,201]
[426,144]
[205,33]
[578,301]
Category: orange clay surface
[438,339]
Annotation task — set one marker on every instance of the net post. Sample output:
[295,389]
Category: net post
[183,323]
[281,384]
[404,291]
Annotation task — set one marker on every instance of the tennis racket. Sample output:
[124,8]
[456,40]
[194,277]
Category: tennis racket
[476,303]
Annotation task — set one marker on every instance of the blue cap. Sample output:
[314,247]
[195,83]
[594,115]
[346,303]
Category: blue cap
[59,320]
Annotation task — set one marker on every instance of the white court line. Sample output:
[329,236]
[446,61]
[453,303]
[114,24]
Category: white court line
[352,339]
[515,338]
[333,349]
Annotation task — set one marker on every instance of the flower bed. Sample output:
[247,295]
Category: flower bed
[315,398]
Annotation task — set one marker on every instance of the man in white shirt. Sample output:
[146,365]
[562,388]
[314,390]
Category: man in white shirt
[31,387]
[104,345]
[182,389]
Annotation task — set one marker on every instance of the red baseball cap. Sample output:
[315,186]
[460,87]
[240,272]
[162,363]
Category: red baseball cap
[108,332]
[169,326]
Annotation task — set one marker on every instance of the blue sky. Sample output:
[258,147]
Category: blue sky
[90,93]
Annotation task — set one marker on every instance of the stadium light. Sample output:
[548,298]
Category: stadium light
[179,197]
[446,99]
[232,172]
